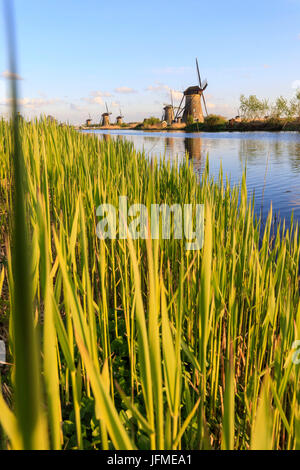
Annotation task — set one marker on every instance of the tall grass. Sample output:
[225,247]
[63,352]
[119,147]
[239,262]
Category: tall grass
[143,344]
[32,432]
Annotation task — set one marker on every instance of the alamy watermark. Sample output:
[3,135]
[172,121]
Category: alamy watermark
[137,222]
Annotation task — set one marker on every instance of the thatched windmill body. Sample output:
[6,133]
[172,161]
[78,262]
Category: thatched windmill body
[120,119]
[88,121]
[105,117]
[168,112]
[193,96]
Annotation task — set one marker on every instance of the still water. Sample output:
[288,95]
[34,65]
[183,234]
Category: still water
[272,160]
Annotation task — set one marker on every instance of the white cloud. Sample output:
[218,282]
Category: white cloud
[101,93]
[32,103]
[158,87]
[161,87]
[96,97]
[177,95]
[296,84]
[95,100]
[10,75]
[125,90]
[75,107]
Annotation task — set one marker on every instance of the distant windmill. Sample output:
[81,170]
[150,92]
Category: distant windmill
[88,121]
[120,119]
[193,108]
[105,117]
[168,114]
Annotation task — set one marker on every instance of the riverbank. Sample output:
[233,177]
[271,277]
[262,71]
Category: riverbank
[107,128]
[243,126]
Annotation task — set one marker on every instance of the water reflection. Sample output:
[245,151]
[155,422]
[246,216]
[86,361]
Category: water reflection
[194,148]
[272,160]
[251,150]
[170,143]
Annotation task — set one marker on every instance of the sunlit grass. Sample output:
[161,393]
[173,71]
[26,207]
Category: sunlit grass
[143,344]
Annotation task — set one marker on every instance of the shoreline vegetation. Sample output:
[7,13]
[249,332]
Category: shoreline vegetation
[270,125]
[140,343]
[255,115]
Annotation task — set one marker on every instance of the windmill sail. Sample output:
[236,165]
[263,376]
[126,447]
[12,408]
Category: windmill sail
[199,78]
[204,104]
[202,86]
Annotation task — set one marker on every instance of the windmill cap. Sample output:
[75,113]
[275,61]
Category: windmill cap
[193,90]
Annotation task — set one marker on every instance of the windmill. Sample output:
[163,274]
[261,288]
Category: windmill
[120,119]
[193,107]
[88,121]
[105,117]
[168,114]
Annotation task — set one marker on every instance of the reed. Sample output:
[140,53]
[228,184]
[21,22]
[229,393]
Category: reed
[141,343]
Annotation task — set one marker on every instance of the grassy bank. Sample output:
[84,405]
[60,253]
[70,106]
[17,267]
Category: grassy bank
[142,344]
[269,125]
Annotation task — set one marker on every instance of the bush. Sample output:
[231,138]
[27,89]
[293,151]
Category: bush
[151,121]
[215,120]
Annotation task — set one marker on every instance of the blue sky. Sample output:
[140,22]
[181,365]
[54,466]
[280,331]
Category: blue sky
[74,56]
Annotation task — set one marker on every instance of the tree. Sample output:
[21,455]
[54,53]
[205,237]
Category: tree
[253,107]
[281,108]
[295,105]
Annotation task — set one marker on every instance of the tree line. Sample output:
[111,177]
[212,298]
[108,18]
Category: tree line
[253,108]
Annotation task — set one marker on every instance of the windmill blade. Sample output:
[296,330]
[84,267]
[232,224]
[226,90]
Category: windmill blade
[106,108]
[204,104]
[200,84]
[179,107]
[172,98]
[181,111]
[204,84]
